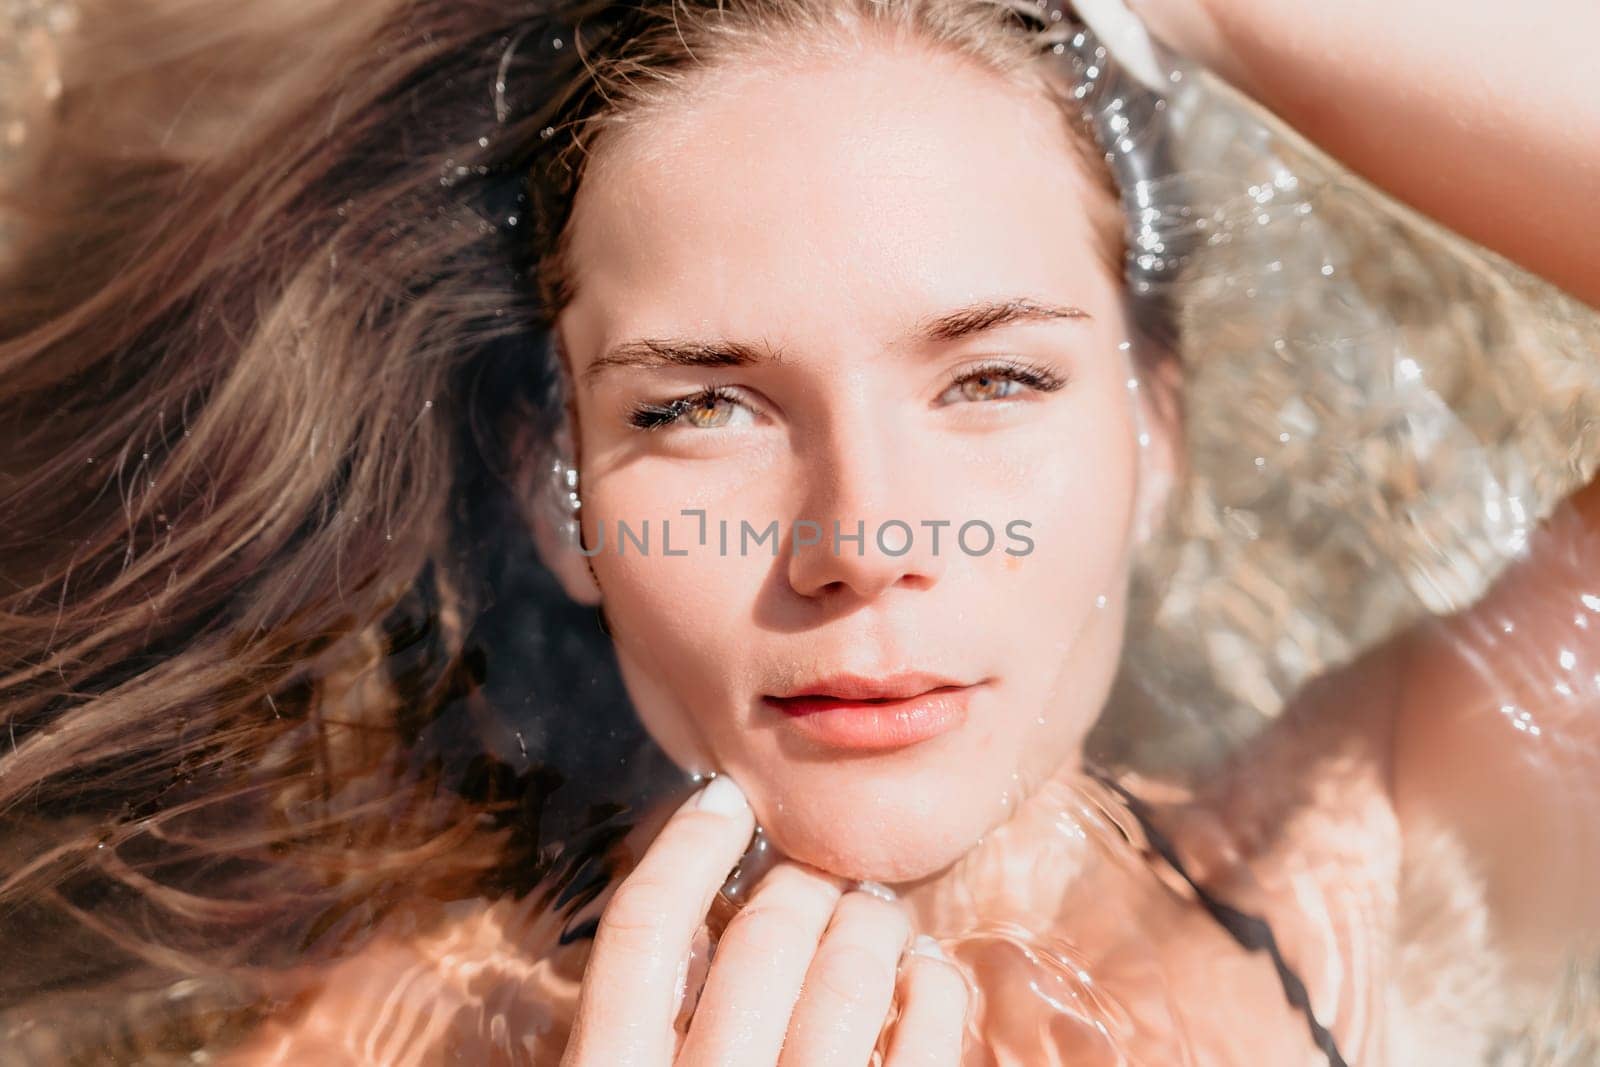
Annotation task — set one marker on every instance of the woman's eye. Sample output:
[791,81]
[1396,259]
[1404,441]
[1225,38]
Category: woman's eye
[999,381]
[986,386]
[709,409]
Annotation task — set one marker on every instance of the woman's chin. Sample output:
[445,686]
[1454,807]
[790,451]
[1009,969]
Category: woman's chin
[881,843]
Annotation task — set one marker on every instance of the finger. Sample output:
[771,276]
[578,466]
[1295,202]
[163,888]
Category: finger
[845,997]
[933,1010]
[628,999]
[760,964]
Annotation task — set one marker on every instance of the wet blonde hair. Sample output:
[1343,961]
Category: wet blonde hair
[275,275]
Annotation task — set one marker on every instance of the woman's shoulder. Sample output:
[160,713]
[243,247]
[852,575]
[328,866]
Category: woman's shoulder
[1386,918]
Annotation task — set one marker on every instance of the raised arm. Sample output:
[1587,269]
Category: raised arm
[1482,114]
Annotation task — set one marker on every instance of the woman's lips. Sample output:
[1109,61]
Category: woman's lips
[876,725]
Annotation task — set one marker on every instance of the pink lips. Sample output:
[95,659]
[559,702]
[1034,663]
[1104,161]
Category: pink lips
[850,711]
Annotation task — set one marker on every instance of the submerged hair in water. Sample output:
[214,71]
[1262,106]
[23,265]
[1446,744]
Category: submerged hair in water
[268,367]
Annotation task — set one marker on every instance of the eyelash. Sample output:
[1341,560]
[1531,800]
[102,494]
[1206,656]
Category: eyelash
[648,416]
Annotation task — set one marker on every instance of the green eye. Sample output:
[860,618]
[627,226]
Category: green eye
[707,413]
[987,386]
[709,409]
[999,380]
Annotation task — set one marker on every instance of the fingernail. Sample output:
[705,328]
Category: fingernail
[723,796]
[927,946]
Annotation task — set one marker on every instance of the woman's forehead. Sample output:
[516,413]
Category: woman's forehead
[887,191]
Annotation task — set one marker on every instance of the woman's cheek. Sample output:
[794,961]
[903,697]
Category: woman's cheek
[677,608]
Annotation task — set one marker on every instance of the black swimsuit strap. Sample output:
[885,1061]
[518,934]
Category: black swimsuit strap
[1251,931]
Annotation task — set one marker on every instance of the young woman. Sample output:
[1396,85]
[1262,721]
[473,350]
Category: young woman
[810,261]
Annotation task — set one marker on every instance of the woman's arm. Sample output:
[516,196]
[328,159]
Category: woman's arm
[1479,730]
[1483,115]
[1496,733]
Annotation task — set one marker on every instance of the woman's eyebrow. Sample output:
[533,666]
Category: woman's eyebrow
[991,314]
[949,326]
[668,353]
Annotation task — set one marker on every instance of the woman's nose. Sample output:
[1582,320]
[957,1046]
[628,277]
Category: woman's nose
[862,526]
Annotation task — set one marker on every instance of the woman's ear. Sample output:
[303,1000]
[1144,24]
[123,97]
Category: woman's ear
[560,552]
[547,493]
[546,496]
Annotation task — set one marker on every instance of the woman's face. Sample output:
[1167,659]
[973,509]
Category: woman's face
[845,250]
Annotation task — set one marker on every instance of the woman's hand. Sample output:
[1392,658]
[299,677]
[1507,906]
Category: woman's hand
[805,974]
